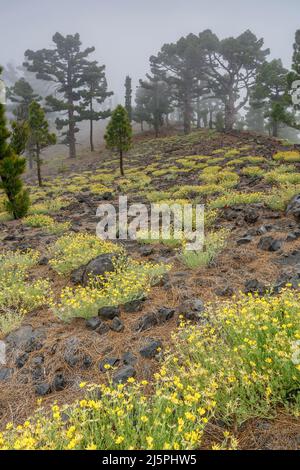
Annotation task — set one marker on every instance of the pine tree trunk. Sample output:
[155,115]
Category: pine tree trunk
[30,159]
[72,141]
[72,146]
[91,127]
[91,136]
[229,114]
[167,121]
[210,120]
[198,113]
[38,166]
[121,163]
[275,129]
[187,113]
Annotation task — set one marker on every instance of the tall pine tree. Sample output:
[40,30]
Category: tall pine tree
[119,133]
[271,94]
[94,81]
[128,97]
[11,168]
[64,65]
[39,135]
[22,95]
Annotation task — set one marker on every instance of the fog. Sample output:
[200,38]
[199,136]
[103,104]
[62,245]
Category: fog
[126,32]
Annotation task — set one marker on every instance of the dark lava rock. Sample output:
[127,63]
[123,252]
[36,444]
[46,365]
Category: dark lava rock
[150,349]
[102,329]
[108,313]
[253,286]
[5,374]
[244,240]
[72,353]
[77,275]
[289,259]
[191,309]
[226,291]
[251,216]
[96,267]
[21,360]
[146,322]
[293,236]
[122,375]
[37,373]
[294,207]
[59,383]
[165,314]
[43,261]
[99,266]
[286,278]
[129,358]
[93,323]
[111,361]
[264,229]
[38,360]
[117,325]
[150,320]
[107,196]
[134,305]
[43,389]
[25,339]
[269,244]
[230,214]
[146,250]
[87,362]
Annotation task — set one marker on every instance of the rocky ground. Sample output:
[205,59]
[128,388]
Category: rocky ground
[48,358]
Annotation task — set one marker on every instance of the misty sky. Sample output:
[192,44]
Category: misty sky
[126,32]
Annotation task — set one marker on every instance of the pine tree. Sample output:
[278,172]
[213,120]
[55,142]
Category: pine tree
[232,65]
[296,54]
[11,168]
[39,134]
[271,94]
[19,136]
[22,95]
[182,65]
[157,102]
[141,112]
[119,133]
[94,81]
[64,65]
[128,97]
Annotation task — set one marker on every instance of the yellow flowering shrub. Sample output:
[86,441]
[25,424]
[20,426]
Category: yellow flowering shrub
[130,281]
[233,198]
[76,249]
[238,365]
[47,222]
[287,156]
[17,295]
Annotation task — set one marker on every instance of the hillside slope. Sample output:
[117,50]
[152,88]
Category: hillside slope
[56,342]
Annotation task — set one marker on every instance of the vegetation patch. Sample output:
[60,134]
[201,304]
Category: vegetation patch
[130,281]
[213,244]
[76,249]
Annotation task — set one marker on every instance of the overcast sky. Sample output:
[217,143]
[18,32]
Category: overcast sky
[126,32]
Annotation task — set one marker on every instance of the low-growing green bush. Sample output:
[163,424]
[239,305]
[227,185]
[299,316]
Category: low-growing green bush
[214,243]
